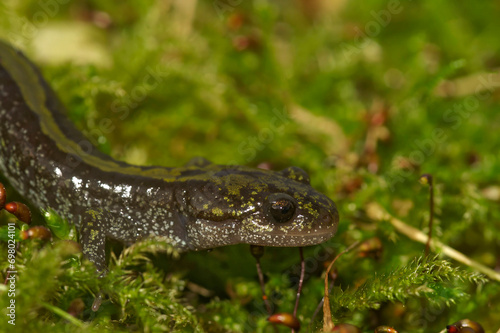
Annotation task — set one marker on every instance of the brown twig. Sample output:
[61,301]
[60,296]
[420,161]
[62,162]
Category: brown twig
[327,314]
[257,253]
[301,282]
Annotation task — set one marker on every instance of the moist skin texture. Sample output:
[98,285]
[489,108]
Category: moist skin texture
[194,207]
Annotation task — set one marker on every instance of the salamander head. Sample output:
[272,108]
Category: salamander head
[260,207]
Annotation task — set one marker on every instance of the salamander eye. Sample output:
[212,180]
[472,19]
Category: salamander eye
[281,207]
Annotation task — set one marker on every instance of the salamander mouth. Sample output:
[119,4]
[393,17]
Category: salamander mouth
[306,240]
[314,233]
[289,240]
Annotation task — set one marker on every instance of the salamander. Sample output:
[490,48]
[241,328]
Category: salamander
[194,207]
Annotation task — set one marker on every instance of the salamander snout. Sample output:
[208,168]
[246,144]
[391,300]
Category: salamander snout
[328,221]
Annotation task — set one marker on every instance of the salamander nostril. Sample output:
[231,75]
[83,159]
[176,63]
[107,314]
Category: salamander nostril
[326,218]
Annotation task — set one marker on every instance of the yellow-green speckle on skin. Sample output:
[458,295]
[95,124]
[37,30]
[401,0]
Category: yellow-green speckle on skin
[217,211]
[94,234]
[255,227]
[95,214]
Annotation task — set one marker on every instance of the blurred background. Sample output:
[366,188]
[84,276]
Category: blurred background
[364,96]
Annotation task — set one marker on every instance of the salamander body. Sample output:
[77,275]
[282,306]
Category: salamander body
[197,206]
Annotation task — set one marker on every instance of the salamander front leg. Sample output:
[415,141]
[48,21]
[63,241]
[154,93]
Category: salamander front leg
[93,240]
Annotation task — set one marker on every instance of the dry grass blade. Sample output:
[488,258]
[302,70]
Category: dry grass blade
[376,212]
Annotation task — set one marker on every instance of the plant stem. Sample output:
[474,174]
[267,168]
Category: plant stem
[301,282]
[431,213]
[328,324]
[63,314]
[257,252]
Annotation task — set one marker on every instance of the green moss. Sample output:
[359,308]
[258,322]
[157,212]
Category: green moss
[285,84]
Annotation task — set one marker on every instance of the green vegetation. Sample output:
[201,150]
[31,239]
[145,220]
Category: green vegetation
[365,96]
